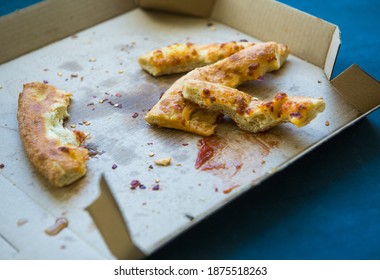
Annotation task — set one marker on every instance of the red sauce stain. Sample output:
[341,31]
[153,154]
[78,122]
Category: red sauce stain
[224,155]
[227,191]
[59,225]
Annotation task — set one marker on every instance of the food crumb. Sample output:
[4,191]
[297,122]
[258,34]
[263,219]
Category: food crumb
[86,123]
[151,154]
[157,181]
[190,217]
[59,225]
[319,81]
[135,115]
[114,166]
[135,184]
[21,222]
[74,36]
[2,165]
[59,74]
[163,161]
[118,106]
[81,78]
[150,167]
[118,95]
[73,126]
[120,71]
[74,76]
[92,59]
[263,162]
[185,144]
[178,164]
[45,82]
[327,123]
[156,187]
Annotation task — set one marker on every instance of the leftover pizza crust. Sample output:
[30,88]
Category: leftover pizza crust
[178,58]
[174,111]
[250,113]
[55,151]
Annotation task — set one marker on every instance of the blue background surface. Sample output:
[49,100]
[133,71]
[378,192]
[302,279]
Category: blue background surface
[324,206]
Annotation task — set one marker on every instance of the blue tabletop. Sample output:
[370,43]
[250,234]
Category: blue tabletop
[324,206]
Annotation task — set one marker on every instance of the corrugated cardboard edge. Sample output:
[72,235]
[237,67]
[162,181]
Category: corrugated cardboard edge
[309,38]
[358,88]
[48,21]
[111,224]
[200,8]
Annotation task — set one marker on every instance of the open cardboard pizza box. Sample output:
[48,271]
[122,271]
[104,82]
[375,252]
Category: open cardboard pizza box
[100,40]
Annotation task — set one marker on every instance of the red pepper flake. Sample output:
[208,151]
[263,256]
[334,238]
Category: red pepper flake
[135,115]
[118,95]
[2,165]
[156,187]
[45,82]
[135,184]
[114,166]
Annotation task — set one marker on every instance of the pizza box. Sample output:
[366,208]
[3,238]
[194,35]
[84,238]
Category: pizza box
[90,48]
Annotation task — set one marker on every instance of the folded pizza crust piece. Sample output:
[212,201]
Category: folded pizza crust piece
[178,58]
[250,113]
[55,151]
[174,111]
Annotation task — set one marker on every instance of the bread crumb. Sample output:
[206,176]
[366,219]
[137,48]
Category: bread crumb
[163,161]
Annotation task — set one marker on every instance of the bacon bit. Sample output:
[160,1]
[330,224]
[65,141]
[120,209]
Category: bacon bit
[156,187]
[227,191]
[135,115]
[114,166]
[135,184]
[2,165]
[74,75]
[63,149]
[45,82]
[327,123]
[206,92]
[163,161]
[118,95]
[295,115]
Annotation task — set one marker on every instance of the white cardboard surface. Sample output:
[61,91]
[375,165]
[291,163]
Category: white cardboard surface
[154,217]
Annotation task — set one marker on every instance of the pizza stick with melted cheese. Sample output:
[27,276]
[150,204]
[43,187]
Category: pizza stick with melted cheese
[178,58]
[54,150]
[174,111]
[249,113]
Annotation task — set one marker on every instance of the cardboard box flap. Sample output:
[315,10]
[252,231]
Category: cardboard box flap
[358,88]
[310,38]
[195,7]
[111,224]
[41,24]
